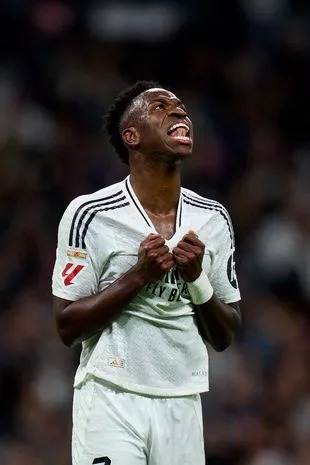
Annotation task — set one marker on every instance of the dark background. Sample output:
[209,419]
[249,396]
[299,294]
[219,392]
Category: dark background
[242,68]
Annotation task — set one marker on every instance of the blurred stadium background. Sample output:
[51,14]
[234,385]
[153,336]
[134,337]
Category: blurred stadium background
[243,69]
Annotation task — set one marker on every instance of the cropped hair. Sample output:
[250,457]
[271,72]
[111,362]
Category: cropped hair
[113,116]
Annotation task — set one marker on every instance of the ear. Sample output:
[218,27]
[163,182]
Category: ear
[131,137]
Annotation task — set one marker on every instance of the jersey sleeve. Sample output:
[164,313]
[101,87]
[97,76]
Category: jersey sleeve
[76,271]
[222,275]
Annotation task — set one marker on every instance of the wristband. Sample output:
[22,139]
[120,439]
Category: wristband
[200,290]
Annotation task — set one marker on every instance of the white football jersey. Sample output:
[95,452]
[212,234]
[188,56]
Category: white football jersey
[153,347]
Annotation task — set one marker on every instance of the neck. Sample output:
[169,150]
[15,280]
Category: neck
[157,187]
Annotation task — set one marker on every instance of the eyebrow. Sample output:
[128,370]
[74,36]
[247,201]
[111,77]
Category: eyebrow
[164,99]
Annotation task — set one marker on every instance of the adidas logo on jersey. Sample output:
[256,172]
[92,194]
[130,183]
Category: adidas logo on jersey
[116,362]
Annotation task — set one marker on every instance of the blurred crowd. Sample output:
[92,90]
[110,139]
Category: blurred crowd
[243,69]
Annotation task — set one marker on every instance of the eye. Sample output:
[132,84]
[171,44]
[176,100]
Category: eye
[159,106]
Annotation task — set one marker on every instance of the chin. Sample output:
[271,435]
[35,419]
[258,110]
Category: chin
[176,158]
[184,152]
[181,150]
[174,154]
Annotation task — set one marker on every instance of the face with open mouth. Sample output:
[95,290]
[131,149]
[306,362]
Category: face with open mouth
[162,124]
[180,132]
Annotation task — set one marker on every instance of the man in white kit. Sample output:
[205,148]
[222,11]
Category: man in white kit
[144,275]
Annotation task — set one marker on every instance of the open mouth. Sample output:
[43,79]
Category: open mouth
[180,132]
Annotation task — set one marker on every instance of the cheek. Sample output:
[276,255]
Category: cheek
[150,136]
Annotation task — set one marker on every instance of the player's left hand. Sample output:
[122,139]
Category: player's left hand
[188,255]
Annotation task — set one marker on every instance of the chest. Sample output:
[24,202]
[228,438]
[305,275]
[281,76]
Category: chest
[122,235]
[164,225]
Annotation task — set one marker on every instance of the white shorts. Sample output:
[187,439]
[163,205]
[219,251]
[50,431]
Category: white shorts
[112,427]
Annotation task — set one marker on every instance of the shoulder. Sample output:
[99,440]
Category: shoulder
[215,212]
[103,197]
[80,215]
[217,209]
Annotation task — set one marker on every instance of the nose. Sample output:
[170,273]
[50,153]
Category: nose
[176,110]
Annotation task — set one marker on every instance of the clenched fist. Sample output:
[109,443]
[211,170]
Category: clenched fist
[154,258]
[188,255]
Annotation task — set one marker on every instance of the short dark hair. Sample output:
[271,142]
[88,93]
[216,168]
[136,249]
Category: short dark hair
[115,112]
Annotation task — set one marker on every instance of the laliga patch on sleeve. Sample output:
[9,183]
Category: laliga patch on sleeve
[231,271]
[70,272]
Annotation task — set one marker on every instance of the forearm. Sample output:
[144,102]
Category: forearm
[83,318]
[218,322]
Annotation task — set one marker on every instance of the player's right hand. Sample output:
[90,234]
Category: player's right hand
[154,257]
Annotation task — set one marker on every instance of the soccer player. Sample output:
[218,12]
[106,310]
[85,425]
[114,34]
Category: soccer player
[144,276]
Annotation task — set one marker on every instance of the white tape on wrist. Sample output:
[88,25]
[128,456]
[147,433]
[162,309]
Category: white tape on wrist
[200,290]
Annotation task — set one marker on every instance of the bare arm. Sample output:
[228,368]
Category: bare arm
[217,321]
[77,321]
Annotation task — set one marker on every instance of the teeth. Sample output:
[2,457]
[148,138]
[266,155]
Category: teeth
[178,125]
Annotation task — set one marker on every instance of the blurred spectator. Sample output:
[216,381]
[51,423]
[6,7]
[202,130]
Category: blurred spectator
[243,69]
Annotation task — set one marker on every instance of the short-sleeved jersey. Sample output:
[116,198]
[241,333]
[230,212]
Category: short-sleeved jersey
[153,347]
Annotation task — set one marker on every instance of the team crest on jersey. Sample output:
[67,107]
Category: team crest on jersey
[231,270]
[70,272]
[76,253]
